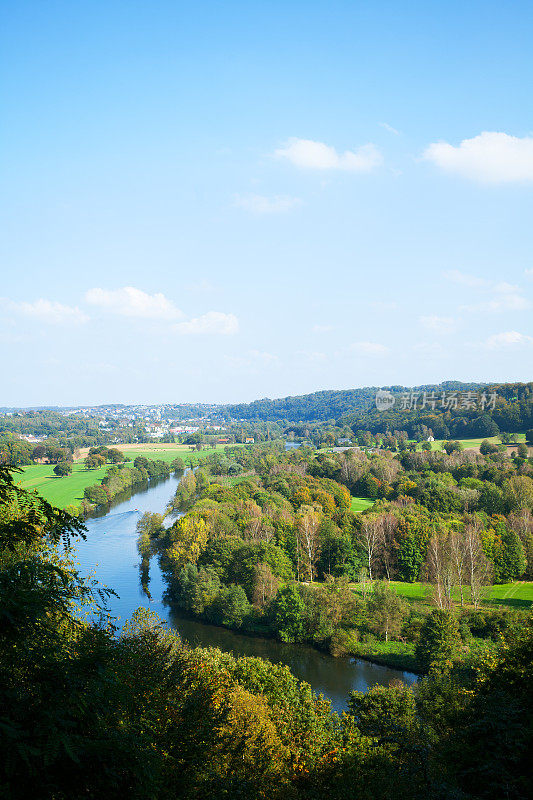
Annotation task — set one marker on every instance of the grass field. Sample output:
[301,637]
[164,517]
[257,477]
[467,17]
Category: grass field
[68,491]
[163,452]
[360,504]
[514,595]
[469,444]
[60,492]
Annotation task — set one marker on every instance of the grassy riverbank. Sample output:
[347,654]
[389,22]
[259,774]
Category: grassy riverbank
[60,492]
[68,491]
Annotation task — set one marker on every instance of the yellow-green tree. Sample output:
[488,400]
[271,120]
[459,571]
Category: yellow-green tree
[189,539]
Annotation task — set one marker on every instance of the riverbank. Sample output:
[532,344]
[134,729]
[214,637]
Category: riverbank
[394,655]
[68,492]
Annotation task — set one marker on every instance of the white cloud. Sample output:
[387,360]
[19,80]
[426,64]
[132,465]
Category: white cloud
[464,279]
[439,324]
[322,328]
[311,356]
[131,302]
[263,357]
[500,341]
[389,128]
[369,349]
[308,154]
[528,273]
[47,311]
[491,157]
[214,323]
[506,297]
[259,204]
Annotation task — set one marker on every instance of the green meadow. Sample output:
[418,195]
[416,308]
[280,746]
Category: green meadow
[60,492]
[68,491]
[468,444]
[513,595]
[360,504]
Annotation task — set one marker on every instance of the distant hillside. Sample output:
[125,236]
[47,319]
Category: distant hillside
[326,405]
[495,407]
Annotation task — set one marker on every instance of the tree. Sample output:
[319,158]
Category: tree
[62,469]
[477,567]
[370,539]
[308,540]
[115,455]
[522,450]
[96,494]
[266,585]
[486,448]
[440,641]
[440,568]
[509,557]
[189,538]
[288,614]
[178,464]
[231,606]
[529,437]
[386,611]
[518,492]
[94,462]
[452,447]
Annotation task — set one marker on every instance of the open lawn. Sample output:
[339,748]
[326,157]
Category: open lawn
[360,504]
[514,595]
[60,492]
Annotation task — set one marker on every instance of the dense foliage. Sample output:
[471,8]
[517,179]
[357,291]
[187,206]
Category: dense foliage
[267,542]
[86,711]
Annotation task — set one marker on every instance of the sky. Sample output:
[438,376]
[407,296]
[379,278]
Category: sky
[218,202]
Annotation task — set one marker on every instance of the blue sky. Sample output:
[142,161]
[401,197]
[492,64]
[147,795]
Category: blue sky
[224,201]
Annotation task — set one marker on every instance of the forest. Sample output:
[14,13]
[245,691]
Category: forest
[91,711]
[266,542]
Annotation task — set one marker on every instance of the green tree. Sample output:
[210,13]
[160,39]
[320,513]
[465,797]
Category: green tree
[288,614]
[62,469]
[178,464]
[439,644]
[231,606]
[509,558]
[386,611]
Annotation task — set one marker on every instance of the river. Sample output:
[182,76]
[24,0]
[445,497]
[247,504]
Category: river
[110,551]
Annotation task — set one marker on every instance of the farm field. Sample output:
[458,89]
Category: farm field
[514,595]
